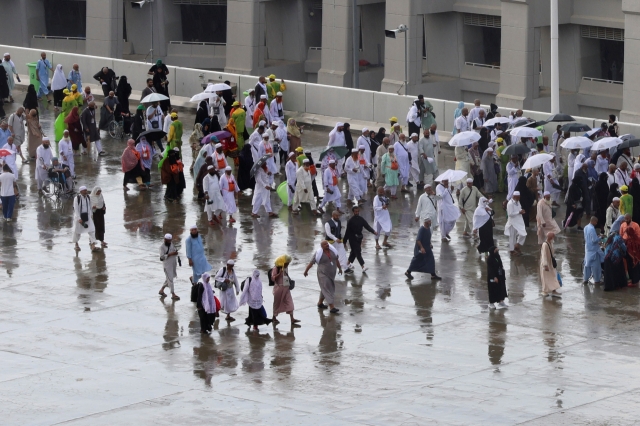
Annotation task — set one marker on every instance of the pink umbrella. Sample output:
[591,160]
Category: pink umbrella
[5,153]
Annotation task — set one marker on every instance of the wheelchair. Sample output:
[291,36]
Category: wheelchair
[119,128]
[59,186]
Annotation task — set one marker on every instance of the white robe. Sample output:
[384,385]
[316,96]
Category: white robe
[621,178]
[303,181]
[65,150]
[513,174]
[228,300]
[414,171]
[427,208]
[275,109]
[265,148]
[219,105]
[402,154]
[327,182]
[354,178]
[211,186]
[10,160]
[255,140]
[261,195]
[86,208]
[290,172]
[381,216]
[336,138]
[250,104]
[43,158]
[515,222]
[447,211]
[549,170]
[229,196]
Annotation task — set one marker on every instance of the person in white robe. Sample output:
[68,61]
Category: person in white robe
[169,259]
[10,69]
[262,192]
[216,108]
[214,203]
[621,175]
[513,174]
[551,179]
[43,163]
[515,228]
[336,138]
[281,137]
[290,170]
[602,162]
[274,142]
[414,119]
[462,159]
[333,232]
[265,148]
[365,141]
[381,218]
[331,190]
[10,160]
[83,219]
[402,154]
[577,164]
[448,212]
[304,189]
[427,206]
[250,105]
[276,109]
[365,170]
[255,139]
[266,111]
[396,131]
[65,152]
[354,177]
[229,188]
[227,281]
[219,159]
[467,202]
[427,155]
[412,148]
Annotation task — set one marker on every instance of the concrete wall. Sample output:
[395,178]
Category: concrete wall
[372,19]
[442,44]
[598,13]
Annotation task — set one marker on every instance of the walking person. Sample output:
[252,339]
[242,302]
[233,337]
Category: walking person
[331,190]
[262,192]
[427,206]
[326,258]
[333,234]
[496,280]
[206,304]
[90,128]
[381,218]
[83,219]
[252,296]
[467,201]
[483,224]
[548,265]
[615,276]
[16,124]
[423,260]
[195,255]
[229,189]
[7,192]
[132,166]
[593,255]
[99,209]
[544,218]
[304,189]
[282,300]
[169,257]
[226,280]
[448,213]
[43,66]
[214,204]
[353,235]
[515,228]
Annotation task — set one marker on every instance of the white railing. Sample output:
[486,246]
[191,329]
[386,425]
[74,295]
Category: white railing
[198,43]
[475,64]
[58,37]
[601,80]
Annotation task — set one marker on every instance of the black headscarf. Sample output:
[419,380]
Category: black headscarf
[206,126]
[575,190]
[494,264]
[382,133]
[613,192]
[526,198]
[227,95]
[634,191]
[215,125]
[347,136]
[4,85]
[31,100]
[124,88]
[601,193]
[202,112]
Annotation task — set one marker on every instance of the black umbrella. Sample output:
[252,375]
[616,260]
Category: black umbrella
[629,143]
[627,137]
[516,149]
[258,164]
[575,127]
[152,135]
[557,118]
[535,124]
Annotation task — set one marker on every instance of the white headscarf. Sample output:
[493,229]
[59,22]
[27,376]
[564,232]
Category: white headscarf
[59,81]
[208,300]
[97,201]
[252,291]
[337,138]
[481,215]
[320,252]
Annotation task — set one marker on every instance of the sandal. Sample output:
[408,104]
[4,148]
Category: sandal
[174,297]
[162,294]
[322,306]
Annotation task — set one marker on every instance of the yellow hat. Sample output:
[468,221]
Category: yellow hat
[174,115]
[66,91]
[624,188]
[74,87]
[394,119]
[500,140]
[299,149]
[236,103]
[272,77]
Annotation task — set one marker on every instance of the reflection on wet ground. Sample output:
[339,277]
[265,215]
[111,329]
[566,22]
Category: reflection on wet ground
[84,339]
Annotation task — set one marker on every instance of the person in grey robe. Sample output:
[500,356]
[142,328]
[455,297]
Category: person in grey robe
[90,129]
[489,172]
[327,259]
[426,158]
[169,259]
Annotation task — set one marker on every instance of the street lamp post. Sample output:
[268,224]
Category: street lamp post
[555,67]
[402,28]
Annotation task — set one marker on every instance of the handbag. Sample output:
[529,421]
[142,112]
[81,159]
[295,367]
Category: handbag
[553,259]
[292,284]
[155,124]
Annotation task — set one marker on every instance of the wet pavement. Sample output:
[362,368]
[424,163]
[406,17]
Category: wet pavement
[84,339]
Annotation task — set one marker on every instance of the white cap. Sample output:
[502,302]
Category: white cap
[396,125]
[362,147]
[279,94]
[210,168]
[168,237]
[262,123]
[546,193]
[636,166]
[489,149]
[218,145]
[228,168]
[428,185]
[292,154]
[332,161]
[265,136]
[553,154]
[263,96]
[82,188]
[194,226]
[176,149]
[306,160]
[469,180]
[516,193]
[44,138]
[6,54]
[230,262]
[616,199]
[414,134]
[252,90]
[365,130]
[354,150]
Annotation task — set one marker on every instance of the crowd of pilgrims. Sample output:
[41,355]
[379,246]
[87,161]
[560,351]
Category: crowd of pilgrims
[260,145]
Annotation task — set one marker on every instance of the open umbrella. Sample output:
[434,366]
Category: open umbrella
[606,143]
[201,97]
[575,127]
[536,124]
[558,118]
[525,132]
[496,120]
[536,161]
[152,135]
[591,132]
[154,97]
[339,151]
[516,149]
[452,176]
[627,137]
[629,143]
[5,153]
[464,138]
[258,164]
[577,142]
[217,87]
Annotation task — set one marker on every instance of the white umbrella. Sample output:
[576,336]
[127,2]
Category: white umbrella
[154,97]
[592,132]
[525,132]
[496,120]
[536,161]
[606,143]
[577,142]
[202,96]
[217,87]
[452,176]
[464,138]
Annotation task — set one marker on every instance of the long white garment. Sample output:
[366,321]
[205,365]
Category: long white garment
[281,136]
[513,174]
[219,161]
[515,222]
[329,177]
[414,171]
[448,213]
[59,81]
[550,178]
[402,154]
[261,195]
[621,178]
[265,148]
[366,142]
[255,140]
[365,168]
[170,264]
[228,300]
[336,138]
[65,150]
[229,195]
[354,178]
[252,291]
[342,253]
[381,215]
[481,215]
[427,208]
[290,172]
[577,164]
[413,116]
[276,110]
[215,203]
[43,162]
[82,204]
[167,124]
[461,124]
[10,159]
[250,104]
[462,160]
[303,182]
[216,107]
[602,165]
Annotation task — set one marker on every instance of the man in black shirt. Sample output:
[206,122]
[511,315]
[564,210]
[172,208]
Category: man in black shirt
[353,236]
[107,78]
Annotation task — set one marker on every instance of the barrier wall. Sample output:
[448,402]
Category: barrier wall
[306,98]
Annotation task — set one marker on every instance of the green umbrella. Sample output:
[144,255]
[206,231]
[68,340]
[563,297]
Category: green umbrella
[339,151]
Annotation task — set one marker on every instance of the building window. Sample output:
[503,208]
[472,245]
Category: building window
[604,48]
[203,23]
[65,18]
[482,39]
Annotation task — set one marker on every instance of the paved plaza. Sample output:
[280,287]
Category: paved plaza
[85,339]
